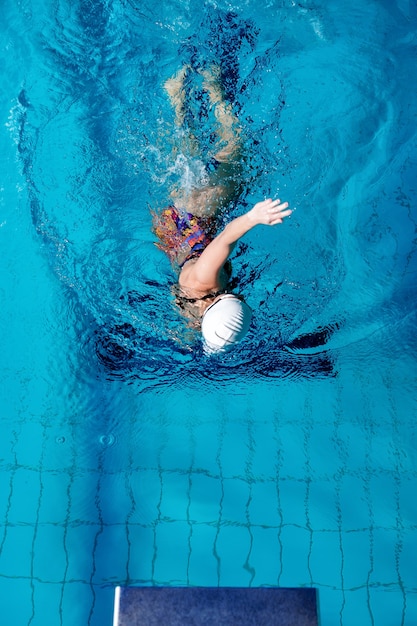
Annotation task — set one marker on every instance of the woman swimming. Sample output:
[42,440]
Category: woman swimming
[187,229]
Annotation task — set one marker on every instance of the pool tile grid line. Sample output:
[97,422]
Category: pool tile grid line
[36,493]
[397,476]
[193,472]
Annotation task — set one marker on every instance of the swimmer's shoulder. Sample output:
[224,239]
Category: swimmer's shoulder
[187,278]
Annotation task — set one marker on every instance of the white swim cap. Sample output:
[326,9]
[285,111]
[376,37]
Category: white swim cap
[225,322]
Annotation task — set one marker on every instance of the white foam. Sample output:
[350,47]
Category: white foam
[191,172]
[14,121]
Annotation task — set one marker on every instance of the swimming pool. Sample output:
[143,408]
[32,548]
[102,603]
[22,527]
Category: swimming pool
[128,456]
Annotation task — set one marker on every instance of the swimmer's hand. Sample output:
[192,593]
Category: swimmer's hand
[269,212]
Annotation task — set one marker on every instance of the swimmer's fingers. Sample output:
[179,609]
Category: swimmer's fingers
[275,206]
[269,212]
[277,210]
[279,217]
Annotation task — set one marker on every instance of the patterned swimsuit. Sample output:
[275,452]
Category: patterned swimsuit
[181,233]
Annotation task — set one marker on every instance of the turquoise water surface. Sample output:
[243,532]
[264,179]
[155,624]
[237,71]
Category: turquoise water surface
[127,455]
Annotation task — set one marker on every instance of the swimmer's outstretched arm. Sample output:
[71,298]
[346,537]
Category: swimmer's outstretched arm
[269,212]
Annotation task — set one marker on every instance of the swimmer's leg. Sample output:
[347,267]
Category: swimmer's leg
[208,200]
[228,130]
[175,89]
[177,92]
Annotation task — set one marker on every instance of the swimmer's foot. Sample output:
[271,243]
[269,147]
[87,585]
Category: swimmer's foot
[174,85]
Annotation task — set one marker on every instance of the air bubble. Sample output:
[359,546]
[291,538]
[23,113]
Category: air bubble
[107,440]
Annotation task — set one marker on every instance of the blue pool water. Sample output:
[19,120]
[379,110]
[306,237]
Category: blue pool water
[128,456]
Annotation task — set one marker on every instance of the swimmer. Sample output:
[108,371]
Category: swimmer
[186,229]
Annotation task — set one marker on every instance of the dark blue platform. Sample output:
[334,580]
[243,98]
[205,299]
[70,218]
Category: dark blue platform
[214,606]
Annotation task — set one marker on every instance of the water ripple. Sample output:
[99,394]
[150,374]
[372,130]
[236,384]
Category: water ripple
[109,134]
